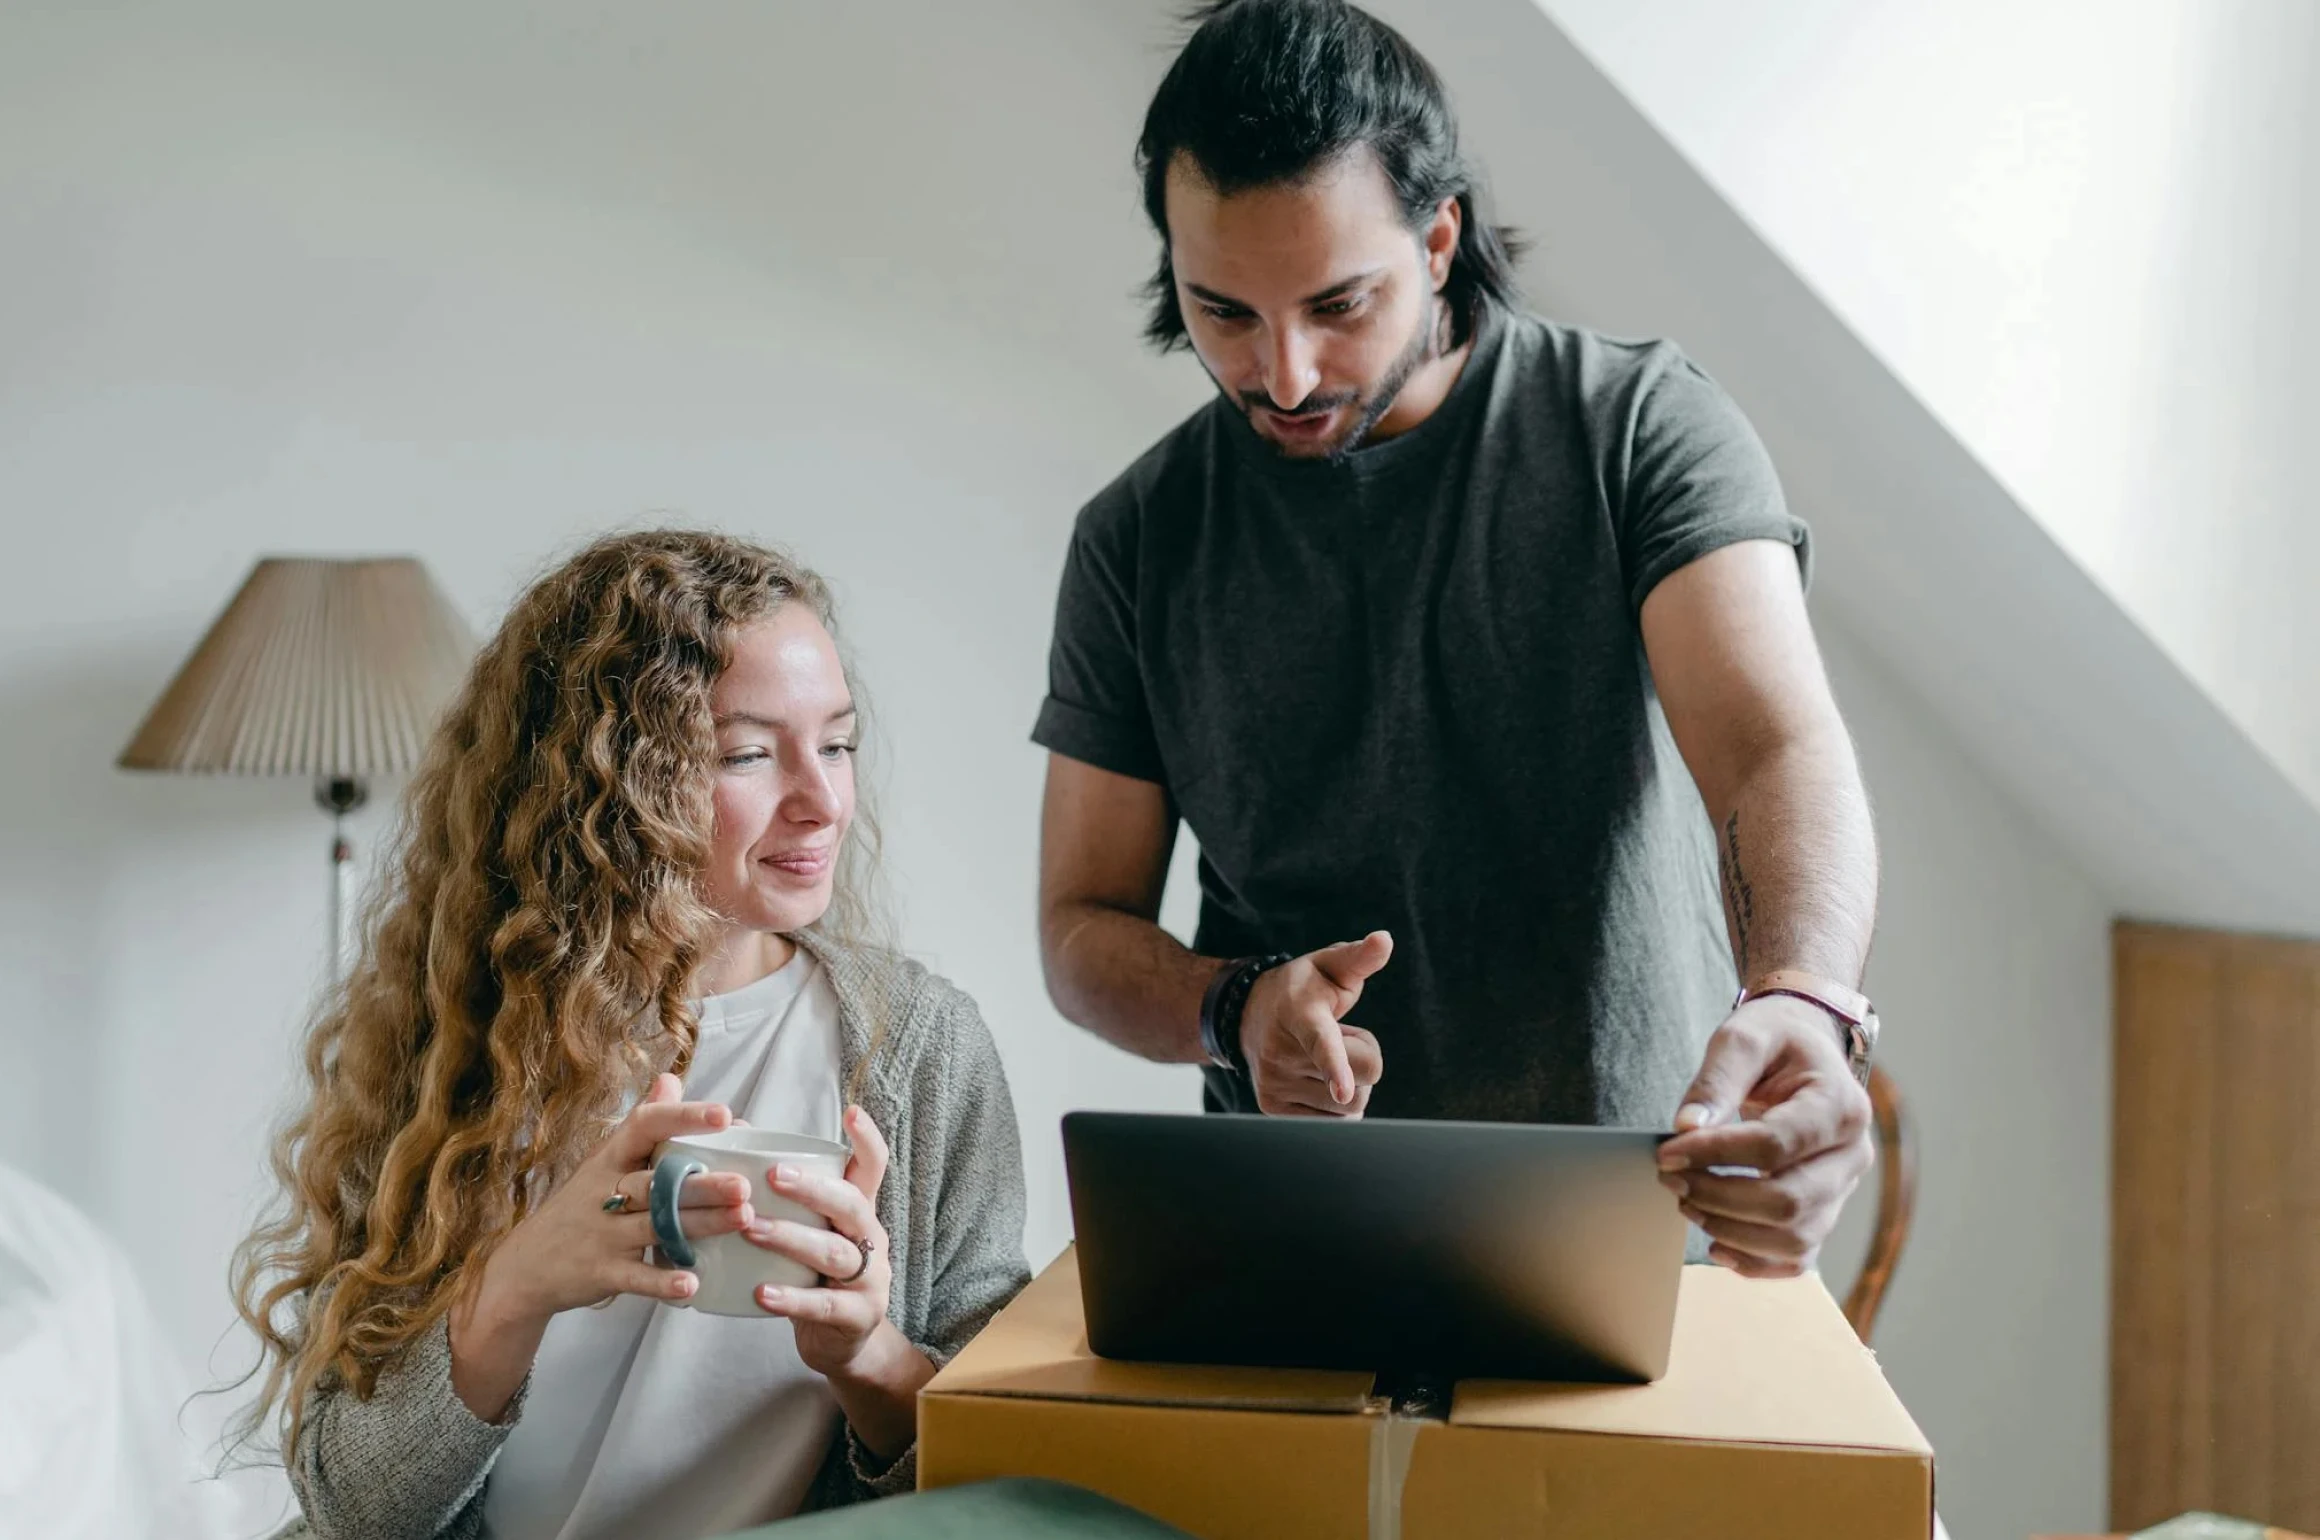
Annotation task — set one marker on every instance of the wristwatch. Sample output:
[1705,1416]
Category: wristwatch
[1856,1017]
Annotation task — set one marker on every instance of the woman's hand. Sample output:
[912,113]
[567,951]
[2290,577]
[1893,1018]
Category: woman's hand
[835,1321]
[842,1330]
[573,1251]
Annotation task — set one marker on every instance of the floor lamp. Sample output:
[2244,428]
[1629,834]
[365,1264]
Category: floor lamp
[330,669]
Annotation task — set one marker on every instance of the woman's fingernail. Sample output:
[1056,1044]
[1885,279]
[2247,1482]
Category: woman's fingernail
[761,1230]
[1676,1185]
[684,1284]
[769,1296]
[785,1174]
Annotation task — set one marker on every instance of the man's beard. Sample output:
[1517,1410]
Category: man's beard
[1423,348]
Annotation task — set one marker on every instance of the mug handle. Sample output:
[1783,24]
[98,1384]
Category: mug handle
[668,1180]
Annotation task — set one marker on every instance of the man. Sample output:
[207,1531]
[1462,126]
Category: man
[1473,650]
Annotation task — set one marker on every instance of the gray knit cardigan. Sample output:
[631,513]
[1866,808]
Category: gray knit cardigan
[410,1463]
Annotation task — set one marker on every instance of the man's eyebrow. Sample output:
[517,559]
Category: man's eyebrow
[1338,290]
[771,724]
[1342,288]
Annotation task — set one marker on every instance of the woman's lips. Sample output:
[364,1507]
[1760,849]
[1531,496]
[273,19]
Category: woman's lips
[802,863]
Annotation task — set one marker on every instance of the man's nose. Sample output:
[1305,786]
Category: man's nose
[1291,372]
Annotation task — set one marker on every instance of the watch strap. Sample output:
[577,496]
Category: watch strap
[1847,1005]
[1856,1017]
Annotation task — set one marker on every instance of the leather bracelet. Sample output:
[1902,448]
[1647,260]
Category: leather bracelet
[1856,1018]
[1221,1006]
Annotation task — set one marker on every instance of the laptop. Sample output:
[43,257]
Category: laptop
[1443,1250]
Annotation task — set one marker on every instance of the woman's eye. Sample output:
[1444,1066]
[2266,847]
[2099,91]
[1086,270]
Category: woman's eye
[741,757]
[1217,313]
[838,750]
[1338,307]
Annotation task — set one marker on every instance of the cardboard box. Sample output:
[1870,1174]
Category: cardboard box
[1773,1423]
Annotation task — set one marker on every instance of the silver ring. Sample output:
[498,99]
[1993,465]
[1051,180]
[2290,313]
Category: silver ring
[865,1246]
[616,1204]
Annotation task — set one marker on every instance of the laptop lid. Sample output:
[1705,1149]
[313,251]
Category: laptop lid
[1450,1250]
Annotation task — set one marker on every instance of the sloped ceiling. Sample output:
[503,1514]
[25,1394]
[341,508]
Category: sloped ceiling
[1924,555]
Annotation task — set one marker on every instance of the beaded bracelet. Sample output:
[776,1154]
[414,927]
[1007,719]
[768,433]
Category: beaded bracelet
[1221,1007]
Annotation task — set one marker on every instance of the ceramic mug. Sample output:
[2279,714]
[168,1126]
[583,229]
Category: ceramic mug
[730,1267]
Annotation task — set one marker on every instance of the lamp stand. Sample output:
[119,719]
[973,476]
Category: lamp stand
[339,795]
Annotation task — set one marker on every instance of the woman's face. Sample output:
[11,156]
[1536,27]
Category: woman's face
[784,775]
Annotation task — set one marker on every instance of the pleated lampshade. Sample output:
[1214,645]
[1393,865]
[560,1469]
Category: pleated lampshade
[335,669]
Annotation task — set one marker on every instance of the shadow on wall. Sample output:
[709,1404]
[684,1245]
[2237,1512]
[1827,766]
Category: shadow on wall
[92,860]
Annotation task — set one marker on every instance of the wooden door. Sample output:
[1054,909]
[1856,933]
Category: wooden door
[2215,1241]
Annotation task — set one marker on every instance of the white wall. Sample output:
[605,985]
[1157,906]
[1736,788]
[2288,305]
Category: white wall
[280,280]
[2083,232]
[1992,974]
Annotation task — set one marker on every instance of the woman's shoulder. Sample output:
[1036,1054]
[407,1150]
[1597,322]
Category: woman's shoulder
[908,1008]
[869,975]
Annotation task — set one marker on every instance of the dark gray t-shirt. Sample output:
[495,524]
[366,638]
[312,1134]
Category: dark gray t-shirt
[1408,691]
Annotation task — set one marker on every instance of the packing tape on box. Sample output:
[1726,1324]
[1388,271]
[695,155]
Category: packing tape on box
[1392,1438]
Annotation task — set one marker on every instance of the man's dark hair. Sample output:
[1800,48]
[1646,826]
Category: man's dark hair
[1270,91]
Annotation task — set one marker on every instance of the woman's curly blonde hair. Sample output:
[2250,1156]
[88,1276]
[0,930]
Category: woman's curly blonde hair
[523,974]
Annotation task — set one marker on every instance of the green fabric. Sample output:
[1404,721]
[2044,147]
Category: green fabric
[992,1510]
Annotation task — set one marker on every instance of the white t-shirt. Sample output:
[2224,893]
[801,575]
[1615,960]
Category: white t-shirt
[647,1422]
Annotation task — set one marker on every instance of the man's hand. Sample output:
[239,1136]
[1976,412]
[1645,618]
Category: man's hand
[1304,1059]
[1774,1096]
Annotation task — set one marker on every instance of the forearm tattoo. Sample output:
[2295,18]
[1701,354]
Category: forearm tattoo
[1739,895]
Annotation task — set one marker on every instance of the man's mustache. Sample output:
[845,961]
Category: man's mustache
[1311,406]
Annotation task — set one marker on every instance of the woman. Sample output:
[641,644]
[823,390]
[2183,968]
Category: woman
[626,908]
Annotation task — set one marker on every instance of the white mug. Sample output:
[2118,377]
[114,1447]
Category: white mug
[730,1267]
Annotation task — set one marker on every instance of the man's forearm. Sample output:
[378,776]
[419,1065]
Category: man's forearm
[1128,981]
[1797,860]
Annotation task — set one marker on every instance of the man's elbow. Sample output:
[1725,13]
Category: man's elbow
[1802,747]
[1060,922]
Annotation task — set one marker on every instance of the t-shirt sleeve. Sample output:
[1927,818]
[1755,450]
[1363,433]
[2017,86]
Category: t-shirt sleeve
[1696,478]
[1096,710]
